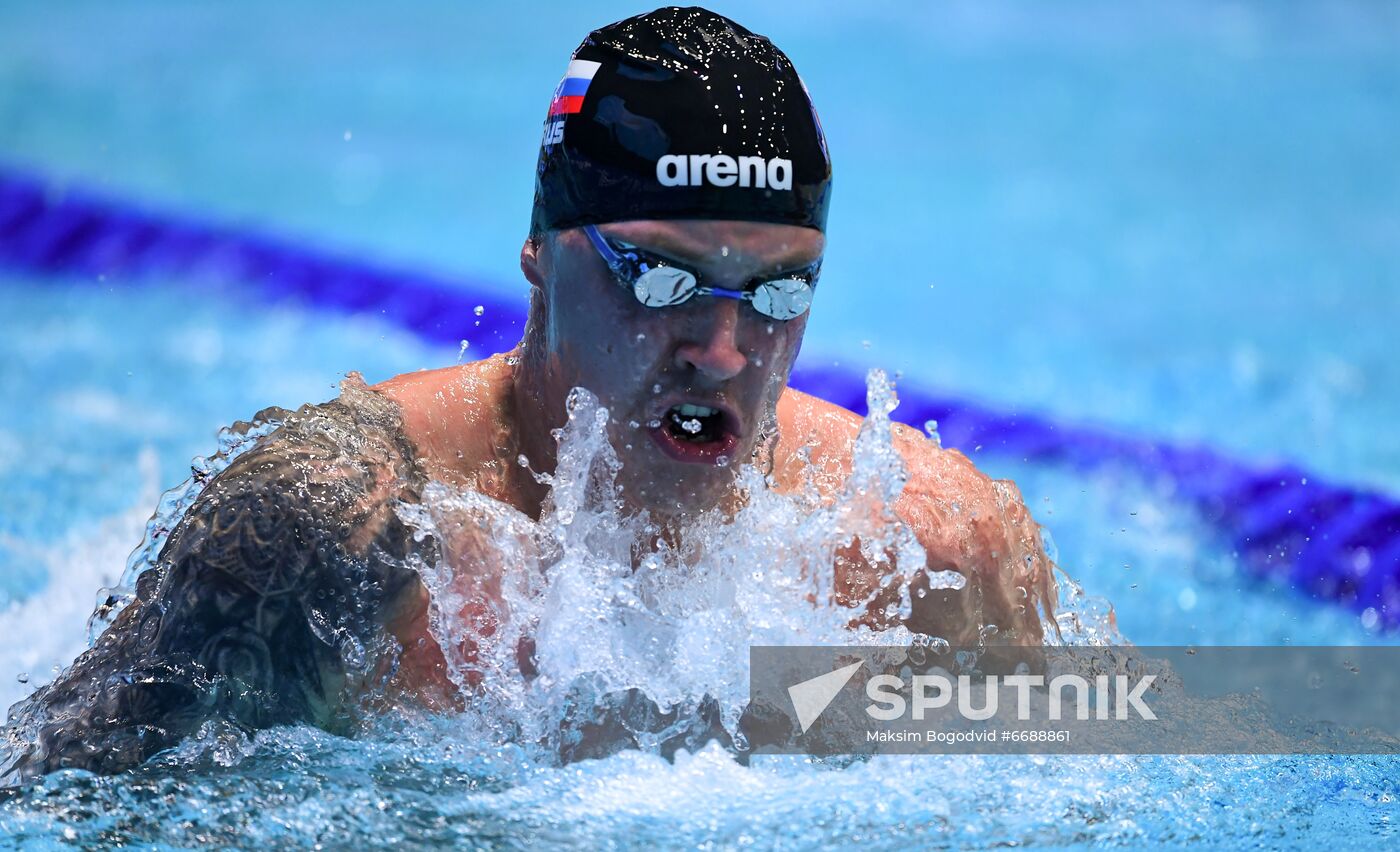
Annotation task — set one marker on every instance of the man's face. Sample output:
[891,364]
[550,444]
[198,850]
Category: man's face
[723,361]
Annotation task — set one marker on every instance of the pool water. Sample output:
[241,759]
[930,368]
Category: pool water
[1178,221]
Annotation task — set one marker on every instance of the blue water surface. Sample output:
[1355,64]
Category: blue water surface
[1179,220]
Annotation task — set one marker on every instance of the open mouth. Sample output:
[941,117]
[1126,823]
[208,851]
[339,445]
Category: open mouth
[695,433]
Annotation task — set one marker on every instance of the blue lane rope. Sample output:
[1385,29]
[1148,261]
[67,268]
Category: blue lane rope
[1328,541]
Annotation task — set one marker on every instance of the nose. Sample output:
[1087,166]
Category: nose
[712,346]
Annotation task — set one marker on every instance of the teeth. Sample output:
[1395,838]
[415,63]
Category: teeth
[688,410]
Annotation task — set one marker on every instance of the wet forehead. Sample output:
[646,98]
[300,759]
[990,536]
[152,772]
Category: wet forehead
[726,247]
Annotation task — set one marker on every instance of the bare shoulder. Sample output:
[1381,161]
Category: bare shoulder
[425,394]
[826,434]
[452,415]
[966,521]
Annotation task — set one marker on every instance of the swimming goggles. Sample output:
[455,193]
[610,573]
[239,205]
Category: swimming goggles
[660,283]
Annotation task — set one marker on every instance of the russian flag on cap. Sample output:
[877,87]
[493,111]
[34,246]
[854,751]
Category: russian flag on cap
[568,97]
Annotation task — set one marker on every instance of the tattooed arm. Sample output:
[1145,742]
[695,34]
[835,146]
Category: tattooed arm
[266,605]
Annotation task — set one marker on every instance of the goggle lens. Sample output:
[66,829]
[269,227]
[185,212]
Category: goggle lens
[783,298]
[664,286]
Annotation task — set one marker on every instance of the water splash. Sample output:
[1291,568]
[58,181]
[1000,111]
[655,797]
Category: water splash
[610,604]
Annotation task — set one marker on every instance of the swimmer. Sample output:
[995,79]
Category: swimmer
[673,259]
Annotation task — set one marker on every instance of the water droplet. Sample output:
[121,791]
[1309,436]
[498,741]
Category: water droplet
[656,388]
[479,310]
[22,677]
[1370,618]
[722,461]
[931,427]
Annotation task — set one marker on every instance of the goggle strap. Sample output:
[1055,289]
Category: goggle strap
[741,295]
[610,257]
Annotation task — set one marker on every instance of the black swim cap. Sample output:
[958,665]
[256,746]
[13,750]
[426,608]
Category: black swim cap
[680,114]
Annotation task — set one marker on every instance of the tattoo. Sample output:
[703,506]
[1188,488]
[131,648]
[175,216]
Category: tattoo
[265,607]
